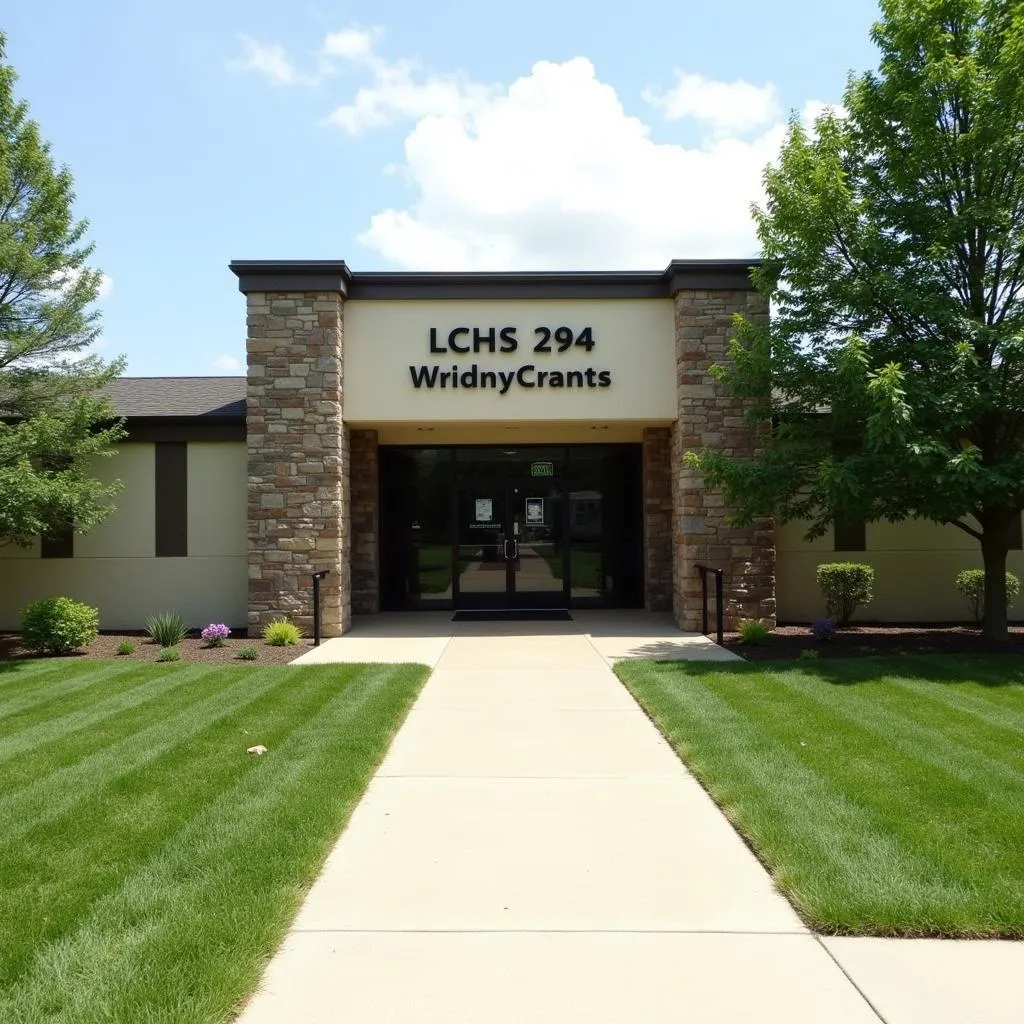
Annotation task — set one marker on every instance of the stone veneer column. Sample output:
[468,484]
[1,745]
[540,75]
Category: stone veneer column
[364,475]
[298,473]
[657,476]
[709,417]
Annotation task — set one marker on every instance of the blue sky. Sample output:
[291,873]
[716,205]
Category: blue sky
[409,136]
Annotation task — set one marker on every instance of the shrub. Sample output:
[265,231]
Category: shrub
[846,586]
[58,625]
[169,654]
[281,633]
[125,647]
[753,633]
[167,628]
[810,654]
[248,654]
[823,629]
[215,634]
[971,583]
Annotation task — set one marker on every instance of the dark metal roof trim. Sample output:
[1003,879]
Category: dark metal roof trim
[151,429]
[323,275]
[292,275]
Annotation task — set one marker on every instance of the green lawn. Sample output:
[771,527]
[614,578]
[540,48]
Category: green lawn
[886,795]
[148,865]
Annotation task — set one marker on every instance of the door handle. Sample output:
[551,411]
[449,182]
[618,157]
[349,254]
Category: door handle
[515,549]
[504,550]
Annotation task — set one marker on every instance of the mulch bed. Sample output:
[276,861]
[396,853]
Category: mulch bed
[861,640]
[194,648]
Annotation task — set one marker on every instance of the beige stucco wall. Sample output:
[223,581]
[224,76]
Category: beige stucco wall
[632,340]
[114,567]
[915,564]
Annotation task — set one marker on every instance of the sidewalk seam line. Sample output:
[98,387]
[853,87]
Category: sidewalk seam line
[846,974]
[544,931]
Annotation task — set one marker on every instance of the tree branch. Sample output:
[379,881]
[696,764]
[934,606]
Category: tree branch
[961,525]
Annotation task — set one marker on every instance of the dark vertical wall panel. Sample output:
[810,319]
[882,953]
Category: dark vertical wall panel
[60,544]
[171,499]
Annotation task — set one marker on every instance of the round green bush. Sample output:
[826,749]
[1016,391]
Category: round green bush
[846,586]
[58,625]
[971,583]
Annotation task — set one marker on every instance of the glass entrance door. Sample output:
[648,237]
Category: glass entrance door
[510,546]
[482,548]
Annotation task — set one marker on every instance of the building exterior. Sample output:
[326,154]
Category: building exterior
[449,441]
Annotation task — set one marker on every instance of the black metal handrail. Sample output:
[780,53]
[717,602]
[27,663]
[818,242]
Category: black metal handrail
[719,600]
[317,577]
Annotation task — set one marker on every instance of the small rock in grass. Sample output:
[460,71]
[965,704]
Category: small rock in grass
[258,749]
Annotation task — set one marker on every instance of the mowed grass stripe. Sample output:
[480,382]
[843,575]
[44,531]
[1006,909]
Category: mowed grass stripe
[55,687]
[131,689]
[57,793]
[184,936]
[892,719]
[777,800]
[1003,721]
[65,863]
[864,832]
[903,765]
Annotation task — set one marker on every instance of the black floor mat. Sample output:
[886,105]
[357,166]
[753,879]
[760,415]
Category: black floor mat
[512,615]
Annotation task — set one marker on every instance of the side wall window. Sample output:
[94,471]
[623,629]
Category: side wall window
[60,544]
[850,535]
[1016,539]
[171,462]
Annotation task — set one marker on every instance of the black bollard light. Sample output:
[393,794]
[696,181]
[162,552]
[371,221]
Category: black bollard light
[317,577]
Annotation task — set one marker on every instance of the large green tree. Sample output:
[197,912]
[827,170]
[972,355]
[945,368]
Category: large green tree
[892,370]
[54,422]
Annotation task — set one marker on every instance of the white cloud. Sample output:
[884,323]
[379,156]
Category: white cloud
[355,44]
[397,90]
[552,173]
[268,59]
[725,107]
[230,364]
[106,286]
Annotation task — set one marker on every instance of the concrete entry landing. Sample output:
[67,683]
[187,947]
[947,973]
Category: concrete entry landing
[423,636]
[532,850]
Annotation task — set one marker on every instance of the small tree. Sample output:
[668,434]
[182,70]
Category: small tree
[892,370]
[54,423]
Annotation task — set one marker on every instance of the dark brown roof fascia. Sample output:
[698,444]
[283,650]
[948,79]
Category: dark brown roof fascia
[292,275]
[151,429]
[320,275]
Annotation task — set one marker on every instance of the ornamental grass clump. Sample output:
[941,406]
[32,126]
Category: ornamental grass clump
[971,583]
[169,654]
[168,629]
[125,647]
[248,654]
[215,634]
[753,633]
[58,625]
[281,633]
[846,586]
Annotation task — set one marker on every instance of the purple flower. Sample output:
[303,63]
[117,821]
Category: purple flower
[823,629]
[215,634]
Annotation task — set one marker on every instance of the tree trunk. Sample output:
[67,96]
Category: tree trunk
[994,547]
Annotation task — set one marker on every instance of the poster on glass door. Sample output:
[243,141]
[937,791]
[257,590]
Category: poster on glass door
[534,511]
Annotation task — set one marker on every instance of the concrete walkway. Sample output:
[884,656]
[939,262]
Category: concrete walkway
[423,637]
[531,850]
